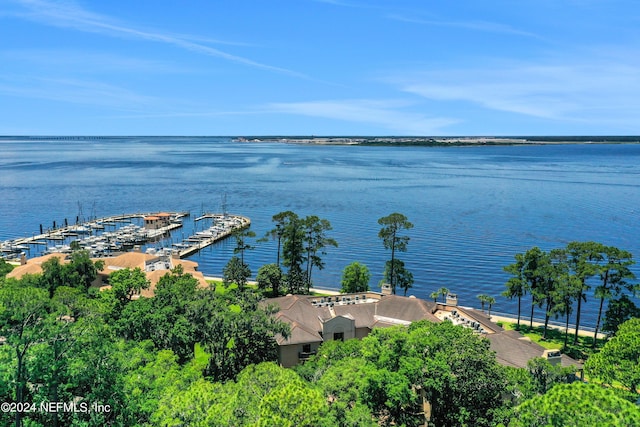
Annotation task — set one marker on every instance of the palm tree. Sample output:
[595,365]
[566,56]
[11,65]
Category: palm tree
[490,300]
[435,295]
[444,292]
[483,299]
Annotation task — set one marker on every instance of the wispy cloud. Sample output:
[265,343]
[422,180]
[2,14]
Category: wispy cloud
[77,91]
[70,15]
[57,61]
[386,114]
[566,90]
[484,26]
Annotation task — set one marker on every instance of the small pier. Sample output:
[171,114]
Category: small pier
[224,226]
[118,233]
[90,235]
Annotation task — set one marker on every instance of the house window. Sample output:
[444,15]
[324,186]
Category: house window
[306,348]
[338,336]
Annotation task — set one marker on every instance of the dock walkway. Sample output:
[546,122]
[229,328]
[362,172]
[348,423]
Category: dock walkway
[229,224]
[224,225]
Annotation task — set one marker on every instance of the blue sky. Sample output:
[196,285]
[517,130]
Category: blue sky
[320,67]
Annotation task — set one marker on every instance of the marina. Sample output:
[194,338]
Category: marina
[473,208]
[126,232]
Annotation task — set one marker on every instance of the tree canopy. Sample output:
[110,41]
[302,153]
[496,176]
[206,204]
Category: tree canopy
[619,360]
[577,405]
[355,278]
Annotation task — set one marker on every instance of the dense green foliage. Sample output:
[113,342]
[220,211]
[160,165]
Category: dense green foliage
[396,371]
[577,405]
[5,268]
[619,359]
[72,344]
[191,356]
[619,311]
[355,278]
[561,277]
[236,272]
[269,277]
[301,242]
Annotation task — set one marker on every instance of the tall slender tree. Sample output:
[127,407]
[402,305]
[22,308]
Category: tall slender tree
[290,234]
[435,296]
[292,241]
[241,236]
[280,220]
[552,269]
[583,262]
[315,241]
[516,285]
[564,295]
[613,273]
[533,258]
[403,277]
[490,301]
[392,225]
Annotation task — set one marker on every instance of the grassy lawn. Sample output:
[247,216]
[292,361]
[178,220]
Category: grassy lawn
[221,289]
[555,340]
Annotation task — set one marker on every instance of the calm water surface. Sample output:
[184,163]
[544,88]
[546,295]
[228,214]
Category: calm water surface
[473,207]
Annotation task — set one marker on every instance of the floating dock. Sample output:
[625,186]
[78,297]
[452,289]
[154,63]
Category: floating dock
[224,226]
[157,226]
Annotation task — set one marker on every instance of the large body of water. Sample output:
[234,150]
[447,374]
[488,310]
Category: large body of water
[473,208]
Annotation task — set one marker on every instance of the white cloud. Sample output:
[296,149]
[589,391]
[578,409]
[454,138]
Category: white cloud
[57,60]
[78,91]
[68,14]
[386,114]
[591,89]
[484,26]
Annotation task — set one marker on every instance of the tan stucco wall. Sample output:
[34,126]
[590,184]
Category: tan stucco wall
[336,325]
[288,355]
[362,332]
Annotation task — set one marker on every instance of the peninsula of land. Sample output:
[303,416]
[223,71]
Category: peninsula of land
[441,141]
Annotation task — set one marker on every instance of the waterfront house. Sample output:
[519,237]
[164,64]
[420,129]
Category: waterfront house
[314,320]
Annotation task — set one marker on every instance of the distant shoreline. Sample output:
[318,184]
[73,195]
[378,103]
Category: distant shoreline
[442,141]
